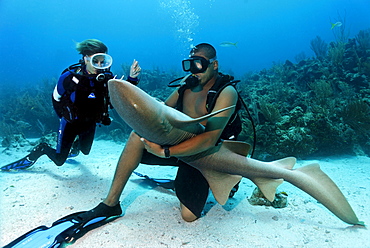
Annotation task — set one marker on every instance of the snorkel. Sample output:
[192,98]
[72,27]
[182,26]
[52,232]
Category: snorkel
[189,80]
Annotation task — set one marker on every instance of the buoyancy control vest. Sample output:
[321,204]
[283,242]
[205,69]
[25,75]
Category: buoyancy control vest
[234,126]
[84,98]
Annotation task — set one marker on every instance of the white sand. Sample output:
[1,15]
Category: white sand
[45,193]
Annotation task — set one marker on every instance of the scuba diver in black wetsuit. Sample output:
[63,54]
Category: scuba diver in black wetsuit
[80,100]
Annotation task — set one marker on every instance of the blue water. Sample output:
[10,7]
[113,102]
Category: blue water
[37,38]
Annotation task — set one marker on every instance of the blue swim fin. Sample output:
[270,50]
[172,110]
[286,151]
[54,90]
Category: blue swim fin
[68,229]
[20,164]
[28,160]
[43,236]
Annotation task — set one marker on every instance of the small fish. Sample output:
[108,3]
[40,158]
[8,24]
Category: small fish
[228,44]
[337,24]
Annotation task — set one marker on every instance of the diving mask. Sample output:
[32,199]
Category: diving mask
[100,61]
[196,64]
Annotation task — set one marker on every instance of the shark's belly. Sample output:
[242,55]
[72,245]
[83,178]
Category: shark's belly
[218,158]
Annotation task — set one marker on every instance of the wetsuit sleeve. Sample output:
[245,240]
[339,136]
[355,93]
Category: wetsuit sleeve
[64,84]
[134,81]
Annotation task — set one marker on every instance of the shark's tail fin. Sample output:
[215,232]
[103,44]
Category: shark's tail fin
[316,183]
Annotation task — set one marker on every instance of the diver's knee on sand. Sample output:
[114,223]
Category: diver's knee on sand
[187,215]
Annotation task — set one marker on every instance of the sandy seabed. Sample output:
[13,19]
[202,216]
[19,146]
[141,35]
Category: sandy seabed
[44,193]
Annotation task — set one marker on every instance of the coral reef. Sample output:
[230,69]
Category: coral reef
[323,102]
[29,112]
[18,142]
[257,198]
[319,47]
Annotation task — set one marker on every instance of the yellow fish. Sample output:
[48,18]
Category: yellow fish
[228,44]
[337,24]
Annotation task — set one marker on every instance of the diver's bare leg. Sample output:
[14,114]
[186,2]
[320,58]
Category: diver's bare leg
[127,163]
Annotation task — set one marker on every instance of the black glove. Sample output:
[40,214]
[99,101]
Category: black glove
[58,107]
[106,121]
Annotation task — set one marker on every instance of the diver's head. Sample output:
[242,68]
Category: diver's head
[90,47]
[202,62]
[93,51]
[206,49]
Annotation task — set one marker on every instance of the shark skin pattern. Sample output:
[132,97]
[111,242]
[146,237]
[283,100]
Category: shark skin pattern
[225,164]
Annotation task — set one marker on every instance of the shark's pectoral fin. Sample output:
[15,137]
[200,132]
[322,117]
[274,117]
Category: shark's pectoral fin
[220,184]
[237,147]
[267,186]
[185,123]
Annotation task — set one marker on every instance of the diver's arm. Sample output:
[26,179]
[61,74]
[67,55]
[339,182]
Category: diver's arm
[172,99]
[214,127]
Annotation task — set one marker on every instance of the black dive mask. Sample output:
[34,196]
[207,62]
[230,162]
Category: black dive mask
[196,64]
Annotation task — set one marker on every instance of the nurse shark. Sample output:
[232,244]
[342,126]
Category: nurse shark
[223,165]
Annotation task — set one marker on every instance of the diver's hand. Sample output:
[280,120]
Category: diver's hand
[135,69]
[153,148]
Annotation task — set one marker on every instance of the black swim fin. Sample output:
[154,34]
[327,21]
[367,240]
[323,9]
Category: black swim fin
[20,164]
[68,229]
[164,183]
[170,184]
